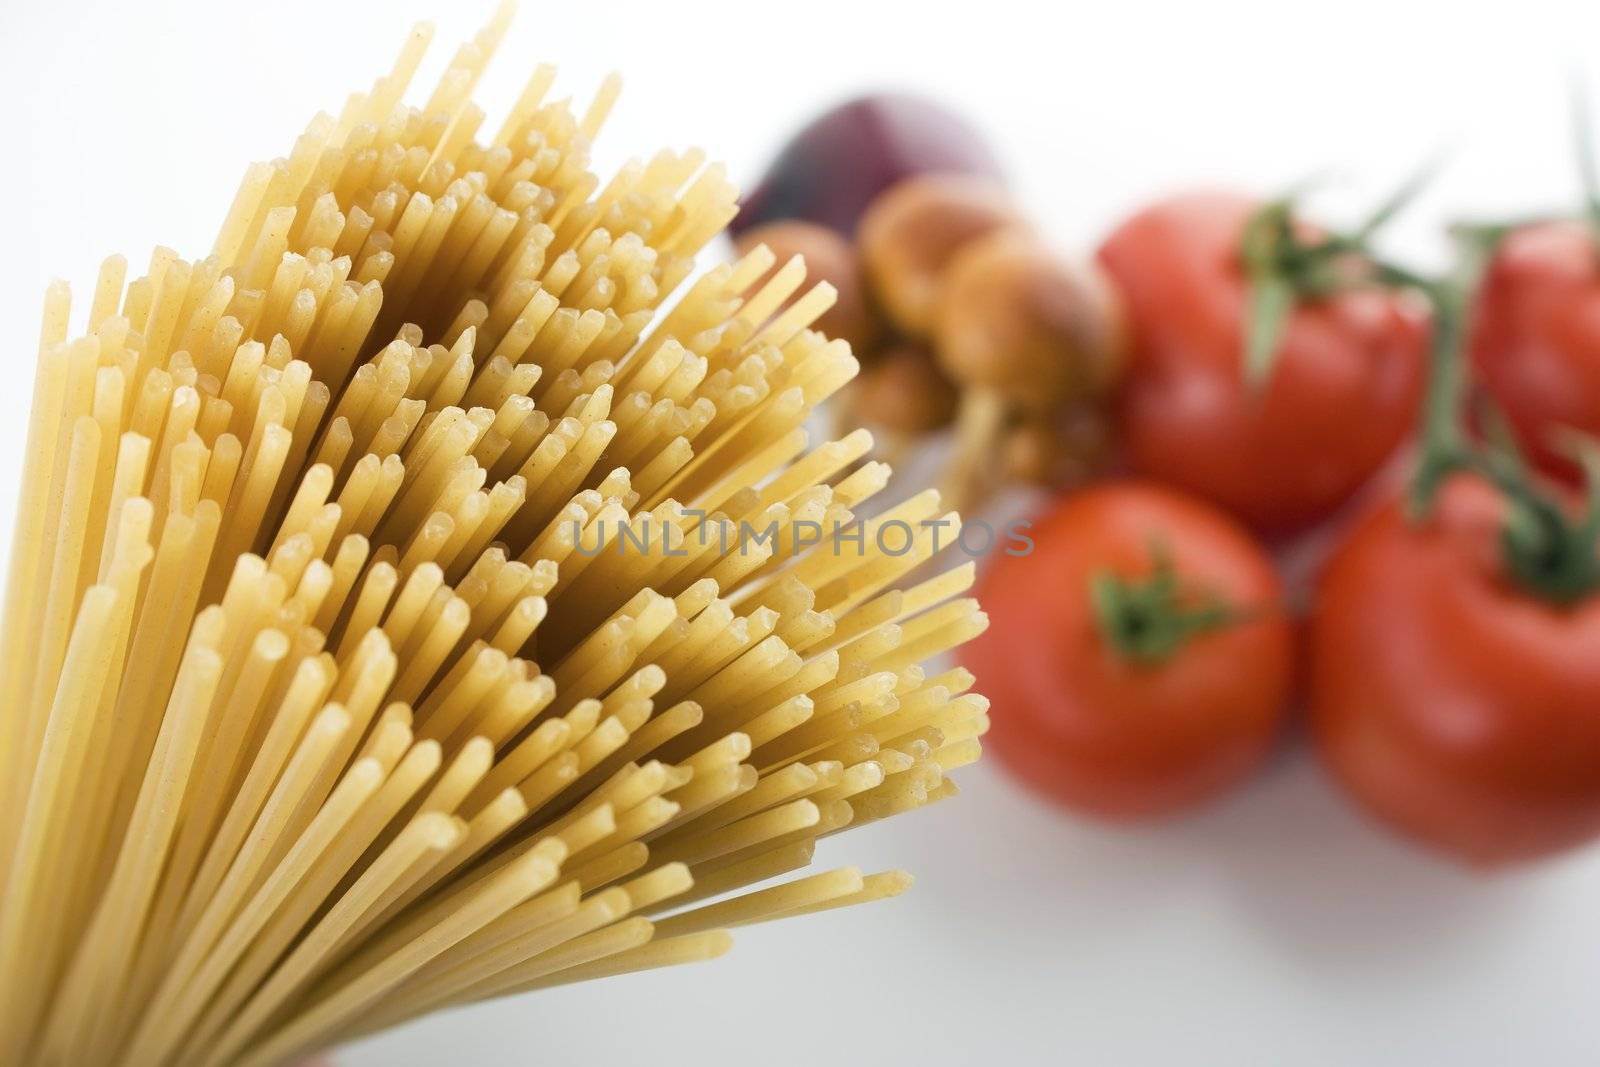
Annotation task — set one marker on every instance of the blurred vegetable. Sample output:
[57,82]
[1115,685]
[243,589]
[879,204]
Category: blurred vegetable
[833,168]
[1028,343]
[1057,450]
[1327,409]
[1535,339]
[1138,661]
[1037,328]
[912,233]
[1449,701]
[1455,647]
[828,258]
[1140,657]
[1536,336]
[904,392]
[1024,333]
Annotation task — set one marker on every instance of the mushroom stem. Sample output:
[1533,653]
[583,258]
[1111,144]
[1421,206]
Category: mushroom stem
[967,479]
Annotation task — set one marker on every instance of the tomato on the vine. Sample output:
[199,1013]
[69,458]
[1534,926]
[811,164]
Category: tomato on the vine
[1450,700]
[1340,394]
[1138,660]
[1536,336]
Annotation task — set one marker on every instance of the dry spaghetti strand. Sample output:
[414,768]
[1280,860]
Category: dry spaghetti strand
[409,606]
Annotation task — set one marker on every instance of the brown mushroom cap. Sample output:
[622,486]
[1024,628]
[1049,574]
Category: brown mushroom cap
[829,258]
[910,234]
[1040,329]
[904,392]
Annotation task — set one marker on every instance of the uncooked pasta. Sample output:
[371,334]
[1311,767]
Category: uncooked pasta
[432,594]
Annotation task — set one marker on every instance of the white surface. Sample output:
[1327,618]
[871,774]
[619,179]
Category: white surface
[1275,929]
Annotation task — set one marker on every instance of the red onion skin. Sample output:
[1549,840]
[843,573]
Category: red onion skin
[833,168]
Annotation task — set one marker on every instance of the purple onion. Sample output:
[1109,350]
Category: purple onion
[833,168]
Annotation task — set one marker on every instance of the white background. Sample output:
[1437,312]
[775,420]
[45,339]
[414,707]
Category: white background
[1276,929]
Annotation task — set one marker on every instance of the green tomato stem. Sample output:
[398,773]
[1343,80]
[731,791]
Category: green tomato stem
[1285,270]
[1147,622]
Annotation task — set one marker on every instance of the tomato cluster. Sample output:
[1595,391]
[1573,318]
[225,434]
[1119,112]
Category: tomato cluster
[1146,656]
[1451,690]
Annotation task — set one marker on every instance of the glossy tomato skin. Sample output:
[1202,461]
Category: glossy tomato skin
[1536,336]
[1455,707]
[1344,388]
[1087,728]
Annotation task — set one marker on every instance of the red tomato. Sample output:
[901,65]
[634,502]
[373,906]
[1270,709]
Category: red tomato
[1536,336]
[1453,705]
[1077,718]
[1343,390]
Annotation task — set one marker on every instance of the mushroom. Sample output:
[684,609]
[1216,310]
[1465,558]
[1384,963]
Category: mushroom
[911,234]
[1023,333]
[905,394]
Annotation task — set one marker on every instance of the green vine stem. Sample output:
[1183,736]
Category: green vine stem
[1548,550]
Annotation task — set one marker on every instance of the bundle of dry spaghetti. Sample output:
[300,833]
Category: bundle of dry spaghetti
[381,632]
